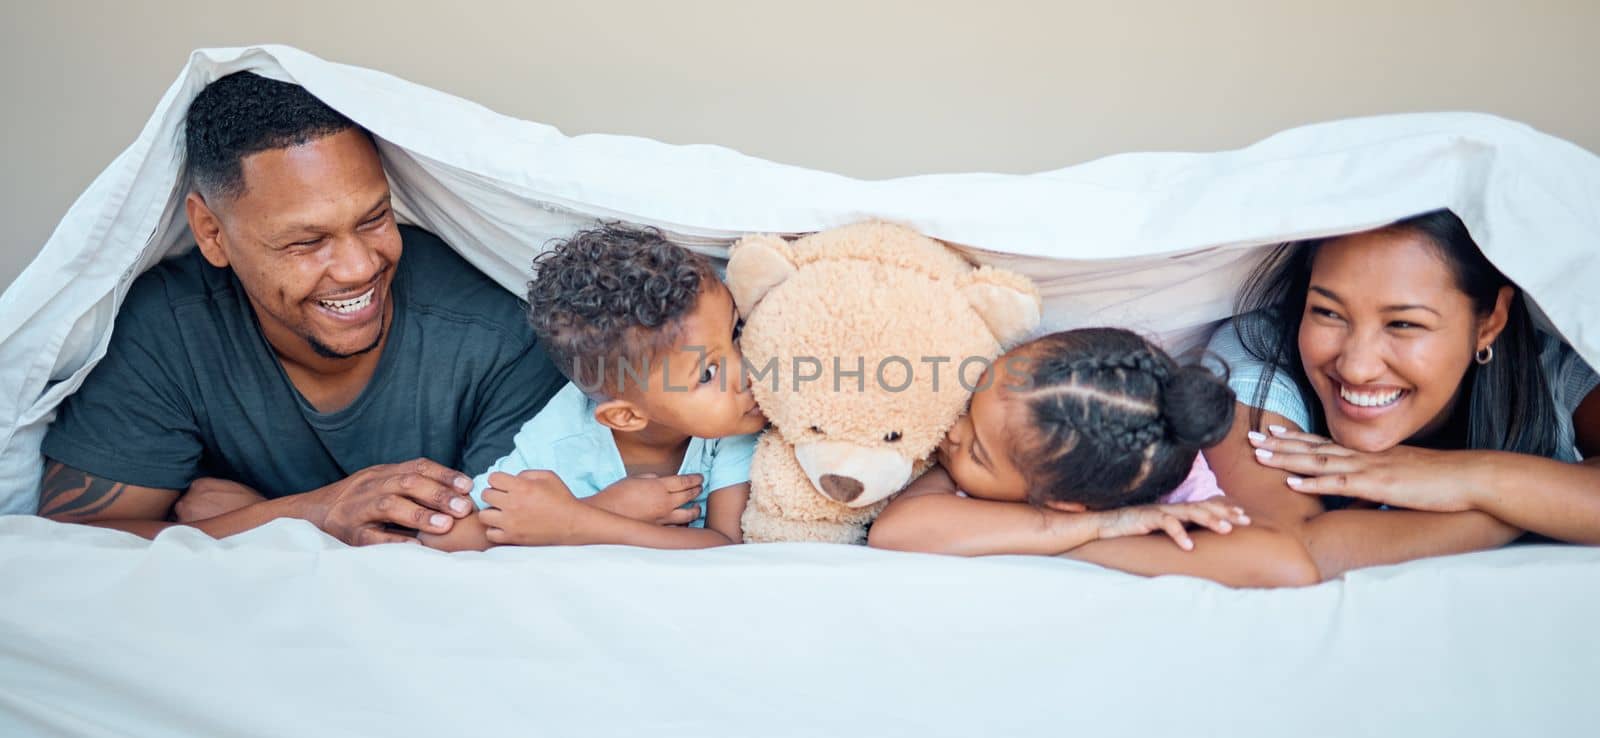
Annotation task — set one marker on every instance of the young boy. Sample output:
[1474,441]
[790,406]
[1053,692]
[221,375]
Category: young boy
[657,410]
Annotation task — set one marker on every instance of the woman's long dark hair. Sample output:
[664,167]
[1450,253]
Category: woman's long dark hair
[1509,408]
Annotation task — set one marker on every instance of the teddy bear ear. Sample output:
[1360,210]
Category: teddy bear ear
[756,264]
[1007,301]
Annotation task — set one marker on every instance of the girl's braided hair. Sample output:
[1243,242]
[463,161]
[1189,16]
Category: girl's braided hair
[1112,419]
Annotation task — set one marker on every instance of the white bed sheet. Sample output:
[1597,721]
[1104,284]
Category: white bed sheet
[283,631]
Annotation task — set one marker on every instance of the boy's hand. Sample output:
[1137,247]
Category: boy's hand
[534,508]
[1220,516]
[652,499]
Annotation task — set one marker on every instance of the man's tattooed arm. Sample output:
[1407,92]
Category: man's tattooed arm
[73,496]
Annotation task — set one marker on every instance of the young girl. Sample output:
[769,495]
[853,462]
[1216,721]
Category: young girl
[1087,435]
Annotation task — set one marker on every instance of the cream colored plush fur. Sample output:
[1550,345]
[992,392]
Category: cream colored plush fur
[903,309]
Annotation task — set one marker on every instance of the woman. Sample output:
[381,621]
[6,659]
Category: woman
[1399,367]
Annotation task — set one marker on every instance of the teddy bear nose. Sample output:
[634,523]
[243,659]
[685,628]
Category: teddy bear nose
[840,488]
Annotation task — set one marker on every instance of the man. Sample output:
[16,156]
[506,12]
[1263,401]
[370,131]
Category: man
[295,364]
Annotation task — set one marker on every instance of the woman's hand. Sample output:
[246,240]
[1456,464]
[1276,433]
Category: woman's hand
[1218,515]
[1403,476]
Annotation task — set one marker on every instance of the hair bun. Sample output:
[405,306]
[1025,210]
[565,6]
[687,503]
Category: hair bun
[1198,407]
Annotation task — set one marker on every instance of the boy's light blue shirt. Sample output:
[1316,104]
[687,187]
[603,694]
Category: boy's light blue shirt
[565,438]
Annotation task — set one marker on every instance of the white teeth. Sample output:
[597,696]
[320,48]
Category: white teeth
[348,306]
[1370,399]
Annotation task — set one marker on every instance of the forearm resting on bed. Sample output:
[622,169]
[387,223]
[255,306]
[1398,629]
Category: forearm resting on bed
[1253,556]
[963,526]
[1552,498]
[573,523]
[1249,556]
[70,495]
[650,535]
[221,526]
[1341,540]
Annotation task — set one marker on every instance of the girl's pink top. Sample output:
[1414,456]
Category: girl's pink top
[1200,485]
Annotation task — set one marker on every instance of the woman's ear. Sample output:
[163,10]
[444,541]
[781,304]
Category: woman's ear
[1490,327]
[207,230]
[1066,507]
[621,415]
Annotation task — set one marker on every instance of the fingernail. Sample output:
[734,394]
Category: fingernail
[461,506]
[1256,436]
[1294,481]
[1244,519]
[463,483]
[1277,430]
[1225,526]
[439,520]
[1188,545]
[1262,453]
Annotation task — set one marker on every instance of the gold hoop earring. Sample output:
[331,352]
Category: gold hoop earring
[1484,355]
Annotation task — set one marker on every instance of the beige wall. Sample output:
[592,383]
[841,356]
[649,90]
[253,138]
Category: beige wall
[872,89]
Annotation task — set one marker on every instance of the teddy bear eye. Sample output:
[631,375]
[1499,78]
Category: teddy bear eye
[892,436]
[815,429]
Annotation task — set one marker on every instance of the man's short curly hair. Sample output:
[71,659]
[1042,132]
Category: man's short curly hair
[243,114]
[610,295]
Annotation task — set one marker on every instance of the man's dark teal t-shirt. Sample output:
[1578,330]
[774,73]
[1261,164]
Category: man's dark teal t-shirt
[190,388]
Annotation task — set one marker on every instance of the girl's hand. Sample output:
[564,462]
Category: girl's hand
[1403,476]
[1218,515]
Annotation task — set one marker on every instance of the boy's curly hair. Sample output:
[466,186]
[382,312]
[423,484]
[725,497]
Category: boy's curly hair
[612,295]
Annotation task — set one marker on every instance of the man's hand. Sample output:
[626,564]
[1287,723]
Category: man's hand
[419,494]
[651,498]
[208,497]
[533,508]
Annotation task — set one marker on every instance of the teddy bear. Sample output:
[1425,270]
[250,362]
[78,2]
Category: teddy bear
[862,345]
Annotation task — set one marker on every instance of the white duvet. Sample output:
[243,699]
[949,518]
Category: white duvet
[283,632]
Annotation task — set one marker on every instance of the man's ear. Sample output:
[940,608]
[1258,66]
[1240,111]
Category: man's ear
[621,415]
[1489,329]
[207,229]
[1066,507]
